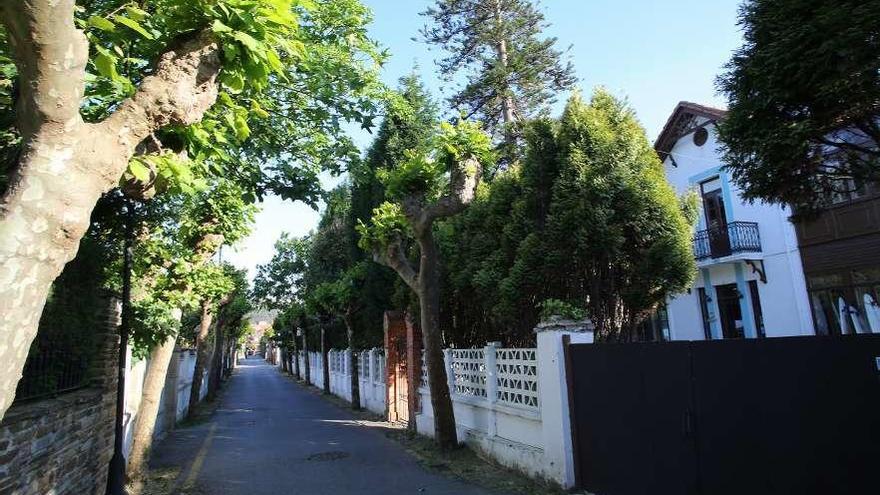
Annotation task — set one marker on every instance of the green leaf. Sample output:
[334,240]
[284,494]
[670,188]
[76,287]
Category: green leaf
[101,23]
[242,131]
[106,66]
[219,27]
[136,13]
[249,42]
[233,81]
[125,21]
[139,170]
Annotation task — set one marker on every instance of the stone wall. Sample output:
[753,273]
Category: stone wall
[63,445]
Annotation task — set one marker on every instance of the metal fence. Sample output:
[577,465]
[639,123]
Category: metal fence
[735,237]
[50,371]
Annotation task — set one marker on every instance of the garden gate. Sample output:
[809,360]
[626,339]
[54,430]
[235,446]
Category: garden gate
[770,416]
[403,344]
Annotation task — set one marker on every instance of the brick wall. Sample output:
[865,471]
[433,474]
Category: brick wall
[63,445]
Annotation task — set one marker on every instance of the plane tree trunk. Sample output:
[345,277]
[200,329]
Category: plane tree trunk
[144,425]
[66,164]
[425,282]
[202,356]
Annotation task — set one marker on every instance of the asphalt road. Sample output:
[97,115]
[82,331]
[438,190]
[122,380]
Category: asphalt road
[272,436]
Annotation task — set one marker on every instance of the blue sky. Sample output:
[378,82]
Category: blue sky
[654,53]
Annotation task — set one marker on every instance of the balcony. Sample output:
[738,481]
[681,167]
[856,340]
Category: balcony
[734,238]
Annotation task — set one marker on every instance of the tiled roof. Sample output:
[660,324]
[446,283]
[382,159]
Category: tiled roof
[684,110]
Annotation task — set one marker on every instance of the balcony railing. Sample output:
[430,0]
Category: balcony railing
[735,237]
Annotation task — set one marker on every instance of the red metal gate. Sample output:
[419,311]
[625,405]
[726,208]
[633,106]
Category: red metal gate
[402,366]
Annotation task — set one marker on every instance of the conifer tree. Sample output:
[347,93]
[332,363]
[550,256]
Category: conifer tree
[513,72]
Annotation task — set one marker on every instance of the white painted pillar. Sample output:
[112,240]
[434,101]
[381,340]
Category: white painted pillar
[490,362]
[553,395]
[450,374]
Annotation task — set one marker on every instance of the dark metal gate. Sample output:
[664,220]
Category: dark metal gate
[794,415]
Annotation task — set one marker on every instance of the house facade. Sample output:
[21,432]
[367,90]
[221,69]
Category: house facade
[841,257]
[750,281]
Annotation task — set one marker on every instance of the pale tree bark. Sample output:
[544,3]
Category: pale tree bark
[216,370]
[308,365]
[296,369]
[154,381]
[425,282]
[202,356]
[355,377]
[325,363]
[145,422]
[66,164]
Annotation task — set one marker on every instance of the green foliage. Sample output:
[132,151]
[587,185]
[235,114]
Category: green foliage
[551,308]
[417,174]
[10,141]
[388,223]
[277,282]
[153,321]
[423,174]
[804,100]
[586,218]
[293,73]
[461,141]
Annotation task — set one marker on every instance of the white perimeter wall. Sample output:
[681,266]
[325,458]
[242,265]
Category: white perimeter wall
[185,362]
[511,404]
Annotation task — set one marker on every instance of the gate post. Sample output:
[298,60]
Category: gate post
[556,421]
[490,361]
[414,367]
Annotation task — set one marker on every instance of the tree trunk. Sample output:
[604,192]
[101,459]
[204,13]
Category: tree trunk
[66,164]
[308,365]
[145,422]
[429,306]
[202,357]
[296,370]
[285,364]
[216,371]
[507,105]
[325,353]
[355,377]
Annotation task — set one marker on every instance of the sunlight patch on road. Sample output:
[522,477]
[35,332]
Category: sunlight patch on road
[200,459]
[356,422]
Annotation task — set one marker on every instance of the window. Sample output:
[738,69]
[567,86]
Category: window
[846,302]
[655,328]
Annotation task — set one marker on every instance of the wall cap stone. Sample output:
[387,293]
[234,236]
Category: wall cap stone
[560,324]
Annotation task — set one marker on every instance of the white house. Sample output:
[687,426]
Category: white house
[750,280]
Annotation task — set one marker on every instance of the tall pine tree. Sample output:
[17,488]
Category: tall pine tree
[513,73]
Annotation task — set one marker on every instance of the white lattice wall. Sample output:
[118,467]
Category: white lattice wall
[469,372]
[517,377]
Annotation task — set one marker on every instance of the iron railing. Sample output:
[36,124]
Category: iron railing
[52,371]
[735,237]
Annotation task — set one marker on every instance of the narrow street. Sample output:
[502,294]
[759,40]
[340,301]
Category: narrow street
[270,435]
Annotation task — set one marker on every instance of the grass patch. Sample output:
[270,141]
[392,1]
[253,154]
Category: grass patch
[465,464]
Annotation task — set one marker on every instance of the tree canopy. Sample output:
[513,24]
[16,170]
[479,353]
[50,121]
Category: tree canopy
[804,99]
[513,73]
[586,219]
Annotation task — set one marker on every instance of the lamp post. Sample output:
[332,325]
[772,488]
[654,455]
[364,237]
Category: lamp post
[116,473]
